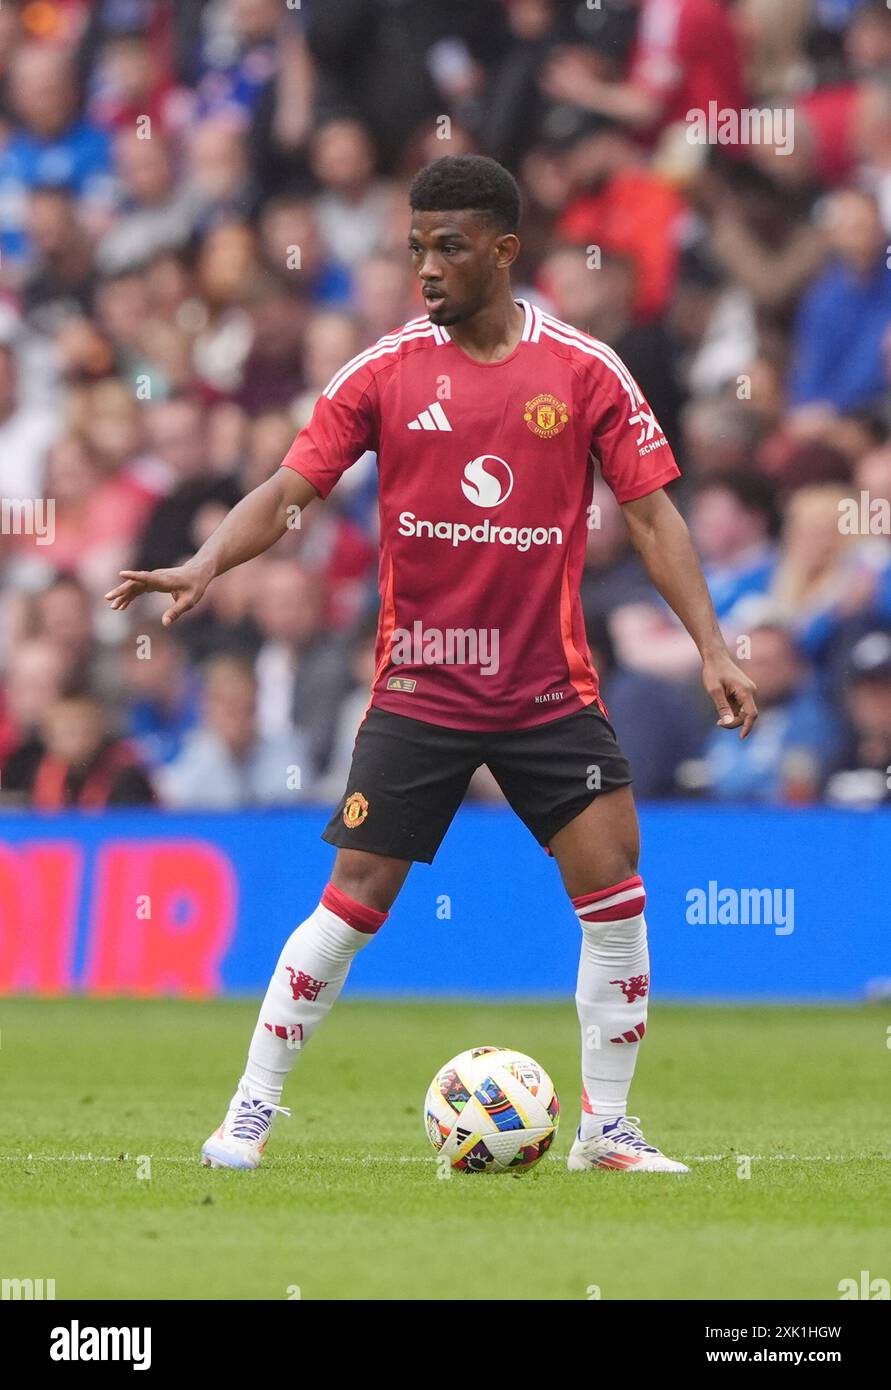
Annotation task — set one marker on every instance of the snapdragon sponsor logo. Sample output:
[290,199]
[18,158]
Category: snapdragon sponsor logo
[76,1343]
[723,125]
[722,907]
[29,516]
[450,646]
[521,538]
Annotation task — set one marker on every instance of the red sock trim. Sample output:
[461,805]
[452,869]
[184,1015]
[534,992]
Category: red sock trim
[356,915]
[585,898]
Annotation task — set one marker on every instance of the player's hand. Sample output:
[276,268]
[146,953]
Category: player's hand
[186,585]
[732,692]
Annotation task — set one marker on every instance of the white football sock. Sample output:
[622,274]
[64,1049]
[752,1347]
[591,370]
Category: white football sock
[309,976]
[611,997]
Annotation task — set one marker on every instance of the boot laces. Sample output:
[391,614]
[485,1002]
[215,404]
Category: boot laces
[627,1131]
[253,1117]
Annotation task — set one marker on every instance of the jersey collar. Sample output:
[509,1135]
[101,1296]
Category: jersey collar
[531,325]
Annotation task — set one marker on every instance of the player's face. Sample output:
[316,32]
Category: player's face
[459,258]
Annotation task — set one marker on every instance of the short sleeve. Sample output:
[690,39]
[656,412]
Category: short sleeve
[343,427]
[635,456]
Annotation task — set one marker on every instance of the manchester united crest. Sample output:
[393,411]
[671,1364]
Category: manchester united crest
[545,415]
[355,810]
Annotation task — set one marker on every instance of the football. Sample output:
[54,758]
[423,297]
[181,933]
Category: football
[491,1110]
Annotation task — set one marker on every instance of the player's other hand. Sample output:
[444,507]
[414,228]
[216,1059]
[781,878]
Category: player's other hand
[185,584]
[732,692]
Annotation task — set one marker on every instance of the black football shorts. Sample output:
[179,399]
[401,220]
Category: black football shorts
[408,778]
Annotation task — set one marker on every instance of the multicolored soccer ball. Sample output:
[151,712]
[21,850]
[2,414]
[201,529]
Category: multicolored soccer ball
[492,1110]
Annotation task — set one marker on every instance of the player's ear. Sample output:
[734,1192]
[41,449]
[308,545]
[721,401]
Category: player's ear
[507,248]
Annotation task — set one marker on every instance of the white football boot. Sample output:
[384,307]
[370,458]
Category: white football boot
[623,1147]
[241,1138]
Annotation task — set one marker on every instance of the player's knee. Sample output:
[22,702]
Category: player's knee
[370,879]
[607,874]
[624,867]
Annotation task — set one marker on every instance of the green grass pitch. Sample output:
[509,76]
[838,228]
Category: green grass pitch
[348,1204]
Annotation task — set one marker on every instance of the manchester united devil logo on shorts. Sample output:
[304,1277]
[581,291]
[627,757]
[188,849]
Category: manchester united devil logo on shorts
[545,415]
[355,810]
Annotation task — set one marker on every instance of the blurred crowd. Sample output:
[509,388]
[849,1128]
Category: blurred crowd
[203,215]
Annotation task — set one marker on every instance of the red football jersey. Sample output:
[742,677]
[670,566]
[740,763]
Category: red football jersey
[486,475]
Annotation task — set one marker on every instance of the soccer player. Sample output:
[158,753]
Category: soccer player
[489,419]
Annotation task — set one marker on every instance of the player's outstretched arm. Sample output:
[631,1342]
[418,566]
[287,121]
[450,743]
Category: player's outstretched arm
[660,537]
[256,523]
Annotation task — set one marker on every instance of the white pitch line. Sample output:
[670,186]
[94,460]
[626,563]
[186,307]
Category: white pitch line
[416,1158]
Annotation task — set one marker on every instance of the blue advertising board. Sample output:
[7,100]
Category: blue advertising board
[742,904]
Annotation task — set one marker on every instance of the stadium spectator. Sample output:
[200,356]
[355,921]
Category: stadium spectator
[97,517]
[219,169]
[719,434]
[761,236]
[861,777]
[839,342]
[266,438]
[26,432]
[49,144]
[293,251]
[300,668]
[226,761]
[83,766]
[155,214]
[332,338]
[240,59]
[61,274]
[613,579]
[827,572]
[352,208]
[800,735]
[130,83]
[660,725]
[33,681]
[177,436]
[228,272]
[397,65]
[619,204]
[272,371]
[63,613]
[600,300]
[385,293]
[161,692]
[731,519]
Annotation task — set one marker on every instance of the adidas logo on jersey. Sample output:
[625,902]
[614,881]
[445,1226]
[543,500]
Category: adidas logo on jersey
[433,418]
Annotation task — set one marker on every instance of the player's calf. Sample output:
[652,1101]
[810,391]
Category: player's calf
[308,978]
[612,994]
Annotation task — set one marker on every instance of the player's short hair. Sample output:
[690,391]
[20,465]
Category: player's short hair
[459,182]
